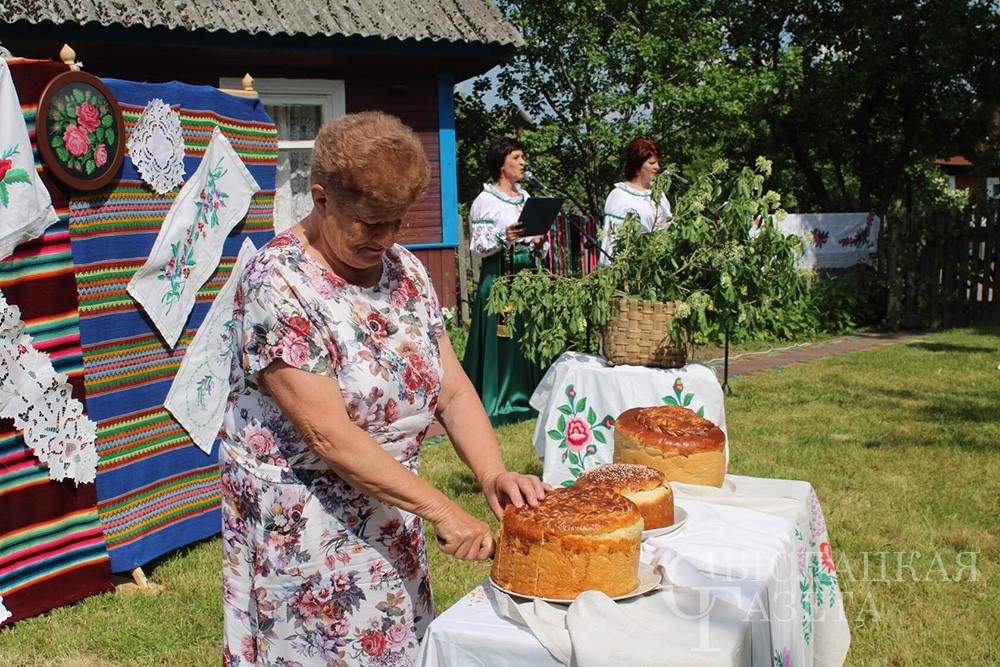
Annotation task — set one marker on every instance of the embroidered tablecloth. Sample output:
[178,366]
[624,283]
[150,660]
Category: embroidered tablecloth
[580,397]
[832,240]
[751,532]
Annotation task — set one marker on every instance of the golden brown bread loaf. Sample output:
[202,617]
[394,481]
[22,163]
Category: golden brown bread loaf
[678,442]
[645,486]
[574,540]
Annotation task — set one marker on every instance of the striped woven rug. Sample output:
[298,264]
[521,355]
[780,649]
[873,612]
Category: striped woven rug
[52,550]
[156,490]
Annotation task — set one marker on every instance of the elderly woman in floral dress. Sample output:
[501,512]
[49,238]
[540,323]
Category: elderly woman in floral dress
[342,362]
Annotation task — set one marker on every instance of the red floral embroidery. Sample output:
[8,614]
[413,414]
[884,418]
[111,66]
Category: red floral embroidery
[826,553]
[578,434]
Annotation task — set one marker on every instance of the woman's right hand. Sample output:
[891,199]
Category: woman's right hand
[464,536]
[514,232]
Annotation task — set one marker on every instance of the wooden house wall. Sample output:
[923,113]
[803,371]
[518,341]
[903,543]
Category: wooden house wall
[415,103]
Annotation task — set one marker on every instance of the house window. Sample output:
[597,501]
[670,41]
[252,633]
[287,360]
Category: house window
[299,107]
[993,188]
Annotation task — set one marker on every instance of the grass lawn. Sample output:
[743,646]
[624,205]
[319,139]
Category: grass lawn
[901,443]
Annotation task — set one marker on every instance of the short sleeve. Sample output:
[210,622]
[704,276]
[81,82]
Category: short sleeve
[428,295]
[273,319]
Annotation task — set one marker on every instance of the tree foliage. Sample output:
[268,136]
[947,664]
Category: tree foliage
[871,92]
[848,99]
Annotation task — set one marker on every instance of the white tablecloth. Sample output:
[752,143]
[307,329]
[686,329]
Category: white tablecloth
[580,397]
[767,535]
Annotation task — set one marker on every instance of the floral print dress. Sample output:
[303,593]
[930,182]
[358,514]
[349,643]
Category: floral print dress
[314,571]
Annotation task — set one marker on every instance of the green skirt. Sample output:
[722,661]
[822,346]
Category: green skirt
[504,379]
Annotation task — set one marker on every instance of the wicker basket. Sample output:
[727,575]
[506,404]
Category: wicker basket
[636,334]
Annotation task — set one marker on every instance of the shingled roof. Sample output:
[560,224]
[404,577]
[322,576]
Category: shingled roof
[456,21]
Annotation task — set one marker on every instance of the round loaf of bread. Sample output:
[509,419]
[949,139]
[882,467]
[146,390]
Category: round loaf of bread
[678,442]
[574,540]
[645,486]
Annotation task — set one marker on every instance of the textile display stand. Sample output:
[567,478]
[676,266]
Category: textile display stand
[155,491]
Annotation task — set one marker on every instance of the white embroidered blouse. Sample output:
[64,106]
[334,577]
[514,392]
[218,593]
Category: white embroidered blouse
[620,202]
[492,212]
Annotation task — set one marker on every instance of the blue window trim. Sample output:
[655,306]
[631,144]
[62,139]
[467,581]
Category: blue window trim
[448,164]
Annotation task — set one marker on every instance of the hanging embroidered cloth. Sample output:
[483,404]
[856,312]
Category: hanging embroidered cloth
[189,245]
[156,490]
[40,402]
[25,205]
[156,147]
[199,392]
[52,550]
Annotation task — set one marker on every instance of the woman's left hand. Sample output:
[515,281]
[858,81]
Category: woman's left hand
[513,488]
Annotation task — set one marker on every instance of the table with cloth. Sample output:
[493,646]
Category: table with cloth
[580,397]
[749,580]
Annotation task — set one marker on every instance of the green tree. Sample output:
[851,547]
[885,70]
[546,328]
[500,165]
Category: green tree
[870,93]
[594,75]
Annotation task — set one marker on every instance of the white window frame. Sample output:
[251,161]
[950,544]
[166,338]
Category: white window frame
[327,94]
[993,187]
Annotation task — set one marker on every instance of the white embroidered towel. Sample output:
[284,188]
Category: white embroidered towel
[197,397]
[25,205]
[189,245]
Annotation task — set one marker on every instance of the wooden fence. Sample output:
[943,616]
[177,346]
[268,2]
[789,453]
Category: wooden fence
[944,269]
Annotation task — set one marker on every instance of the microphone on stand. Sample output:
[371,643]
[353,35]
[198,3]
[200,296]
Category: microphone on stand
[531,178]
[677,177]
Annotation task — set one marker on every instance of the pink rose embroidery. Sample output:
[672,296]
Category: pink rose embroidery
[5,166]
[88,116]
[578,434]
[76,140]
[101,155]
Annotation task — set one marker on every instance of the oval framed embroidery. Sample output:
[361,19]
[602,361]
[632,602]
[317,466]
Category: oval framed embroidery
[80,131]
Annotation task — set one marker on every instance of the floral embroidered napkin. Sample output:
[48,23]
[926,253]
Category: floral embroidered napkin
[197,397]
[25,205]
[189,245]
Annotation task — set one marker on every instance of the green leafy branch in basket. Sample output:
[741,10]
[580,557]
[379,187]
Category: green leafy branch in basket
[679,398]
[577,430]
[722,260]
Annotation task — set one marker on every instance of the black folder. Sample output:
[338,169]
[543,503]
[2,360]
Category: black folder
[539,213]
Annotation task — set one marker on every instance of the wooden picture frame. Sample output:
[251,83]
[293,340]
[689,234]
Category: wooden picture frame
[80,131]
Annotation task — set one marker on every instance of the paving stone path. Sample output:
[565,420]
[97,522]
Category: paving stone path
[757,362]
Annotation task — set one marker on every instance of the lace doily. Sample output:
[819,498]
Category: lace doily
[156,147]
[4,614]
[40,401]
